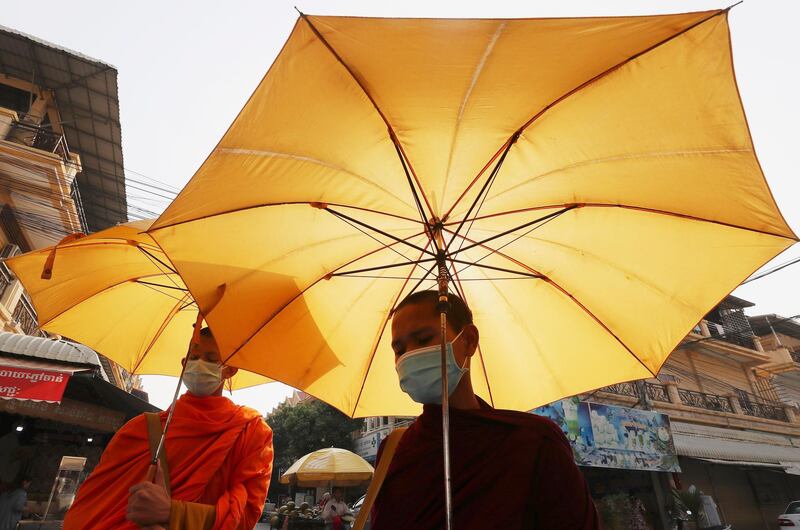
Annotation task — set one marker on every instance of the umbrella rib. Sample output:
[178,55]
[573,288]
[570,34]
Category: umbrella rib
[392,135]
[303,291]
[504,245]
[484,190]
[184,289]
[174,311]
[512,230]
[403,162]
[499,269]
[450,258]
[101,291]
[424,277]
[571,206]
[378,338]
[384,267]
[577,302]
[378,230]
[152,257]
[578,89]
[378,240]
[156,290]
[287,203]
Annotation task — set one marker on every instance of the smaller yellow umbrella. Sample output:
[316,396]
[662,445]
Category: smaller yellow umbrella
[116,292]
[332,466]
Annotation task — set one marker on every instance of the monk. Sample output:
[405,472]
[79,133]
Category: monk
[219,461]
[509,470]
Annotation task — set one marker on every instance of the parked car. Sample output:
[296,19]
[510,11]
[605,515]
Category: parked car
[791,516]
[356,507]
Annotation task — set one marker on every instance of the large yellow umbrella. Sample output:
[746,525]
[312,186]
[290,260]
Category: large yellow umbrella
[332,466]
[592,184]
[115,292]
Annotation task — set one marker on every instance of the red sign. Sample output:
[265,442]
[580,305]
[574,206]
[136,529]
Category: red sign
[32,384]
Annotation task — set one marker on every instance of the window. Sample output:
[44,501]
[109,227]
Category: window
[16,99]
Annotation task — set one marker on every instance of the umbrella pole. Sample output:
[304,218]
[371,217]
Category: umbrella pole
[195,335]
[443,307]
[160,446]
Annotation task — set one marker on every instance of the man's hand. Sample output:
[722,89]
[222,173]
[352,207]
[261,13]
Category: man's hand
[148,503]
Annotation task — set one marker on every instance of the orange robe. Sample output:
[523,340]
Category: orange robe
[218,454]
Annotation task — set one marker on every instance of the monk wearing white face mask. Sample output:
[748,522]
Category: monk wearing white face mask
[218,461]
[509,470]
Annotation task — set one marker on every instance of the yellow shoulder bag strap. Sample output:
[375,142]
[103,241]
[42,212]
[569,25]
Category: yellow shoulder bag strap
[154,435]
[378,477]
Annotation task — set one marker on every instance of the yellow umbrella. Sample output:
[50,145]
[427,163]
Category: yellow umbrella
[115,292]
[332,466]
[591,182]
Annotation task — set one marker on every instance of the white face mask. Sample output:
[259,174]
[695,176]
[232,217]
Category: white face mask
[202,378]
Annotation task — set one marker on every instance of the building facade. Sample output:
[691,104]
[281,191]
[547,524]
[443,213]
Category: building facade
[61,172]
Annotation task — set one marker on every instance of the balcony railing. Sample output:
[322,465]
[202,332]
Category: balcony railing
[706,401]
[40,138]
[623,389]
[795,353]
[6,279]
[702,400]
[654,391]
[740,337]
[657,392]
[25,316]
[765,410]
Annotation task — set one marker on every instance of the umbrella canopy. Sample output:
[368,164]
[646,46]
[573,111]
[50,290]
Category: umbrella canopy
[115,292]
[333,466]
[592,183]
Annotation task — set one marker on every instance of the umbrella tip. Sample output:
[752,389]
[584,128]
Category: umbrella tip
[734,5]
[300,12]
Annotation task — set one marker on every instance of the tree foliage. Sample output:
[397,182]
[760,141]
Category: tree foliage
[304,428]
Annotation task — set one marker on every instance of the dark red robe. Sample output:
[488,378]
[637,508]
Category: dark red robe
[510,470]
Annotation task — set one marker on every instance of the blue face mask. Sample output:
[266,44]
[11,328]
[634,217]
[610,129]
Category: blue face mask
[420,373]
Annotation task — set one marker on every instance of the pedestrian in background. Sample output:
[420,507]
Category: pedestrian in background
[12,504]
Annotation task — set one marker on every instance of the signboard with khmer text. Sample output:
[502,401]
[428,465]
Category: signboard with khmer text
[617,437]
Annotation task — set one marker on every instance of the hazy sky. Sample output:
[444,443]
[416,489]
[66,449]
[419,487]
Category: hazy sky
[186,69]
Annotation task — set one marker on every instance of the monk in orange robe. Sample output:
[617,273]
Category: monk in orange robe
[509,470]
[219,460]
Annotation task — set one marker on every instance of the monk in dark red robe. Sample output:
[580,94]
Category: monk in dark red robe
[219,459]
[509,470]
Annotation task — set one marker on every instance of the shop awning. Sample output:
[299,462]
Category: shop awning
[88,402]
[741,463]
[736,447]
[31,380]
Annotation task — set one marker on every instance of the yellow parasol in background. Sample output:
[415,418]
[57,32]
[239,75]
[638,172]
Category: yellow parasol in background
[328,467]
[589,186]
[115,292]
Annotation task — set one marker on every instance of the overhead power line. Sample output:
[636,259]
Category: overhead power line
[772,270]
